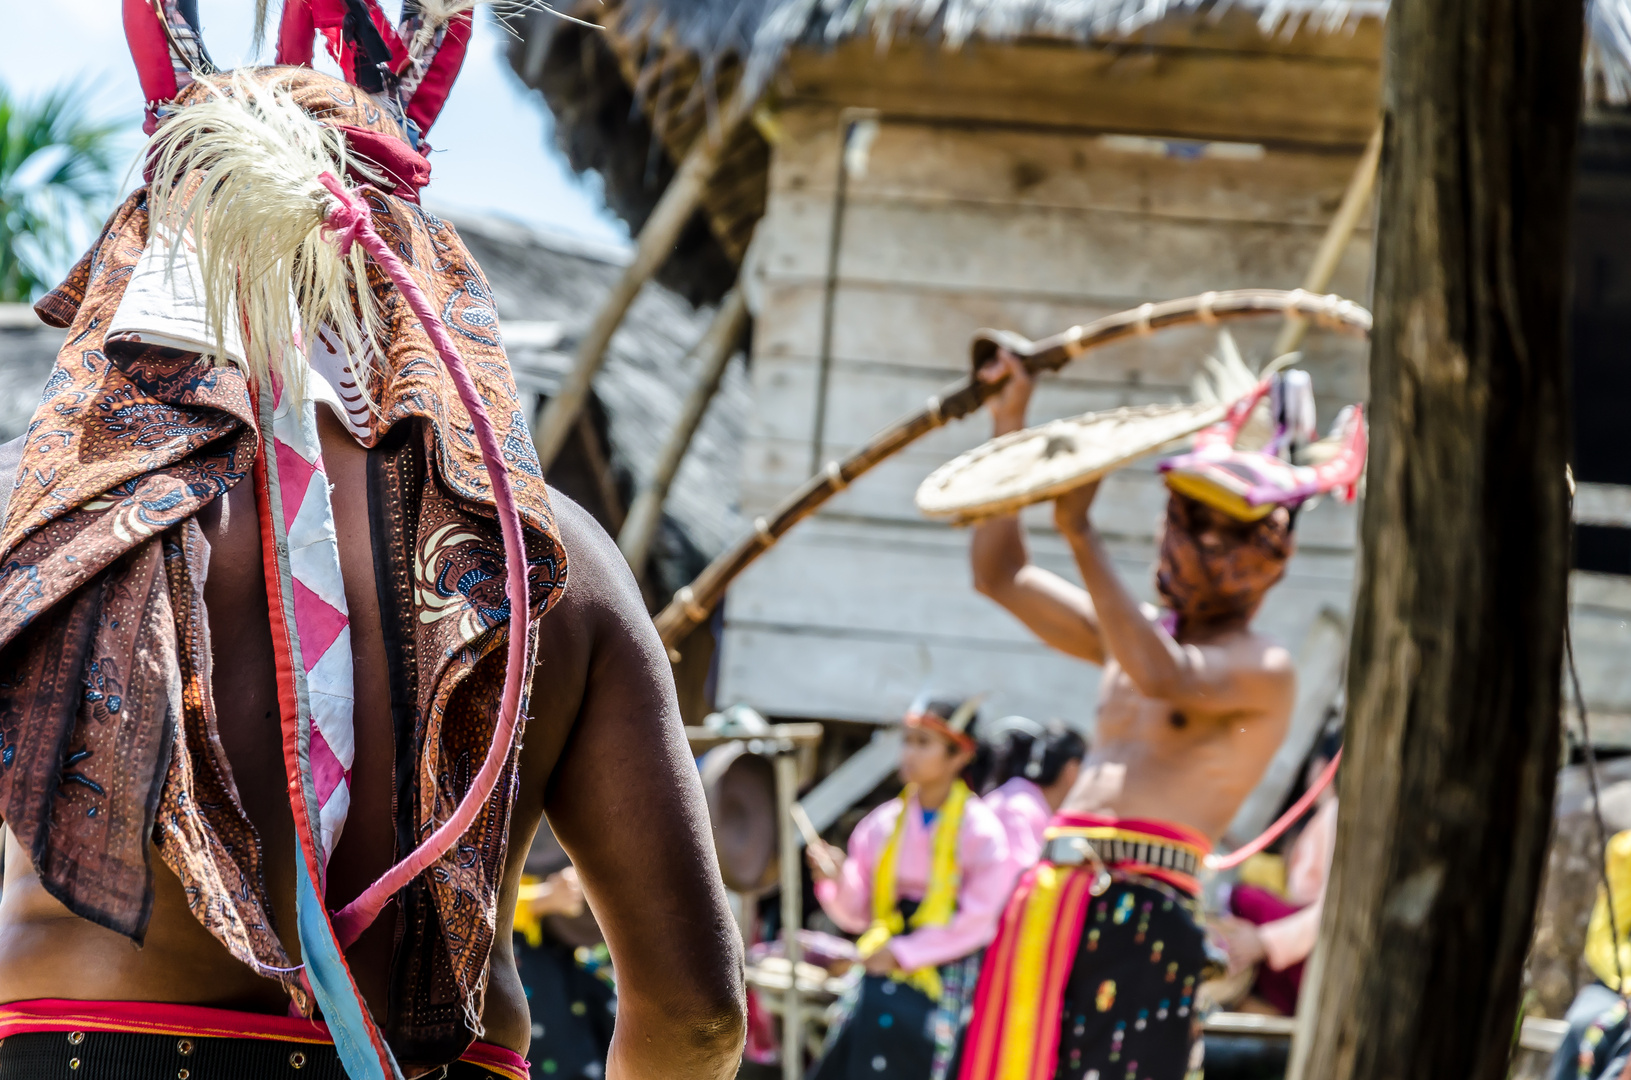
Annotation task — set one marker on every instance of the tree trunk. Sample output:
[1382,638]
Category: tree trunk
[1457,646]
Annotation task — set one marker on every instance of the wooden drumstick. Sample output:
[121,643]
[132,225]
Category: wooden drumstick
[813,841]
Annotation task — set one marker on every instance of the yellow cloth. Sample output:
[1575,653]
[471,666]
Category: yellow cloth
[1599,942]
[527,924]
[1266,872]
[939,902]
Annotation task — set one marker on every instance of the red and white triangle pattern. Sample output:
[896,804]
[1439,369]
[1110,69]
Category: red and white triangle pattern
[321,619]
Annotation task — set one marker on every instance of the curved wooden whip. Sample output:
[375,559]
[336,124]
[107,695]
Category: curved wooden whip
[693,603]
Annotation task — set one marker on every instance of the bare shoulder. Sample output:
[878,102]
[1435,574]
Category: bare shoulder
[601,594]
[1266,661]
[597,635]
[1271,657]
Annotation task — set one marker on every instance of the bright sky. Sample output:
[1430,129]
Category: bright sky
[494,151]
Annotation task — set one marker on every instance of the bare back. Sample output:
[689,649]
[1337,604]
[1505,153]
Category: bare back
[603,751]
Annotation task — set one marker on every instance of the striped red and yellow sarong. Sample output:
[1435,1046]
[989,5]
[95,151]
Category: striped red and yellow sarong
[1014,1033]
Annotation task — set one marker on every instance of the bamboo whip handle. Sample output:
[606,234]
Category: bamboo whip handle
[1336,238]
[673,210]
[646,512]
[693,603]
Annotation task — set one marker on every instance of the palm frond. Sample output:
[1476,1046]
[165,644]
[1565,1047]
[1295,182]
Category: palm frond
[58,167]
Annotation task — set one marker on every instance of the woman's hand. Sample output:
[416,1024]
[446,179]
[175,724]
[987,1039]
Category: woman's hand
[1240,940]
[559,894]
[882,962]
[1010,404]
[826,861]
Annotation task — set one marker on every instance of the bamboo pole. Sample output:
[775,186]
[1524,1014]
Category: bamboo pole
[1336,239]
[645,513]
[693,603]
[679,201]
[792,890]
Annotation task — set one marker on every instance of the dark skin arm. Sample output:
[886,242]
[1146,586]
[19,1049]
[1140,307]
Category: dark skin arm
[625,802]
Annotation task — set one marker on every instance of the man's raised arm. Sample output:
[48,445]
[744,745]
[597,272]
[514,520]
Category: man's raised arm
[627,806]
[1052,608]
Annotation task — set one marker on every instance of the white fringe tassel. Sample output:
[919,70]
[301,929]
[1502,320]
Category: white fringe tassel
[239,173]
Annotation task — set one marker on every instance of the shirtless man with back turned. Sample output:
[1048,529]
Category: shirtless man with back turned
[160,920]
[604,757]
[1190,713]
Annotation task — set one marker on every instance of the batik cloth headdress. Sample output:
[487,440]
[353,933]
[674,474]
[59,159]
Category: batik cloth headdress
[273,260]
[1249,484]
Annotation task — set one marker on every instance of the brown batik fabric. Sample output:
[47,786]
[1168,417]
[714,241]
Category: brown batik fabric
[107,727]
[1199,583]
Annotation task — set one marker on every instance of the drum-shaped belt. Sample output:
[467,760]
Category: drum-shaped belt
[1107,852]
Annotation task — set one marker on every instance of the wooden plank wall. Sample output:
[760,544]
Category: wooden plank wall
[950,228]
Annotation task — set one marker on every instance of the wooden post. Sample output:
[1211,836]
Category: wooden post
[792,886]
[668,218]
[1456,658]
[645,512]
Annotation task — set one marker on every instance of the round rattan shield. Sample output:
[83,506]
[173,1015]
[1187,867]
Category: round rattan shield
[1044,462]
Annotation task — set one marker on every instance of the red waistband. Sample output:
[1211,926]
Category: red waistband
[163,1018]
[1165,830]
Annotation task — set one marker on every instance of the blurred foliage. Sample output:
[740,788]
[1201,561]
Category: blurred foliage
[57,169]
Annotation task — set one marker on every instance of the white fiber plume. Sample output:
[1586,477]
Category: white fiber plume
[240,172]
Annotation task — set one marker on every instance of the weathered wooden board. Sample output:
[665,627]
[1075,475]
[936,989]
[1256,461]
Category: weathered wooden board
[1131,504]
[849,619]
[898,325]
[941,165]
[1196,93]
[1351,31]
[926,572]
[786,672]
[1109,257]
[1601,614]
[864,397]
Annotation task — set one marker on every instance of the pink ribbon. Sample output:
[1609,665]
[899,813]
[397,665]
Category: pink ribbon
[352,222]
[348,217]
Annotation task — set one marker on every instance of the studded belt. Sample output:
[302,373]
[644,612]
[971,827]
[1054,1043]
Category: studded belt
[1076,850]
[122,1055]
[1114,852]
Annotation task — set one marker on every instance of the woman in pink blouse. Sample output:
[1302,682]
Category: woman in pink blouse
[923,883]
[1036,766]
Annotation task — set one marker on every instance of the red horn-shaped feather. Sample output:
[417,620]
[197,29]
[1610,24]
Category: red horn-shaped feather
[1342,473]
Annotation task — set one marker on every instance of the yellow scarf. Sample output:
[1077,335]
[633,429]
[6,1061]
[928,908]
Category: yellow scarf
[527,924]
[939,902]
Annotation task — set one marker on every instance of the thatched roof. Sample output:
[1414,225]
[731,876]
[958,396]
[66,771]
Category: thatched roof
[630,101]
[541,279]
[759,32]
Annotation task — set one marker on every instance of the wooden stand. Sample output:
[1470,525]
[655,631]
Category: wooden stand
[786,744]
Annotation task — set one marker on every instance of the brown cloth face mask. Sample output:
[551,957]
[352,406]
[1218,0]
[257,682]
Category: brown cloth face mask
[1213,567]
